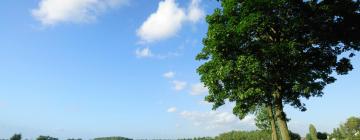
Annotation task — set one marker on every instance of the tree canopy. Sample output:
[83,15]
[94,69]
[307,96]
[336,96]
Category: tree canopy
[275,52]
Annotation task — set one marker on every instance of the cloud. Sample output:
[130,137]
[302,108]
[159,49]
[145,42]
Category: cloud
[171,110]
[169,74]
[159,55]
[168,20]
[51,12]
[165,22]
[145,52]
[198,89]
[195,13]
[217,119]
[179,85]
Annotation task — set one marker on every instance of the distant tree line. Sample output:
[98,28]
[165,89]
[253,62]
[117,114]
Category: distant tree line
[41,137]
[350,130]
[113,138]
[243,135]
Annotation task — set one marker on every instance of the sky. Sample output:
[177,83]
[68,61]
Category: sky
[95,68]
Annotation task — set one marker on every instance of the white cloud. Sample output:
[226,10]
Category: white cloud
[217,119]
[179,85]
[171,109]
[169,74]
[145,52]
[195,13]
[168,20]
[51,12]
[198,89]
[165,22]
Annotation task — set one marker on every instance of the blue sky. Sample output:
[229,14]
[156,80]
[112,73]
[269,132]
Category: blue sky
[92,68]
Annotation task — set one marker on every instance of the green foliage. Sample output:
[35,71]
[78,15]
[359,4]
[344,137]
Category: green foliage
[313,133]
[262,120]
[352,125]
[294,136]
[204,138]
[308,137]
[338,133]
[263,52]
[322,136]
[244,135]
[112,138]
[199,138]
[46,138]
[254,48]
[349,130]
[16,137]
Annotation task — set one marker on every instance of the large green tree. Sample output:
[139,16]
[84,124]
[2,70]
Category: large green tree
[275,52]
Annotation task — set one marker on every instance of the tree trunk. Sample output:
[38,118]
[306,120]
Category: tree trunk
[280,117]
[272,120]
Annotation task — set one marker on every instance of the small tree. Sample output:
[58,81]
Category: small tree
[322,136]
[294,136]
[313,133]
[16,137]
[352,126]
[348,130]
[338,133]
